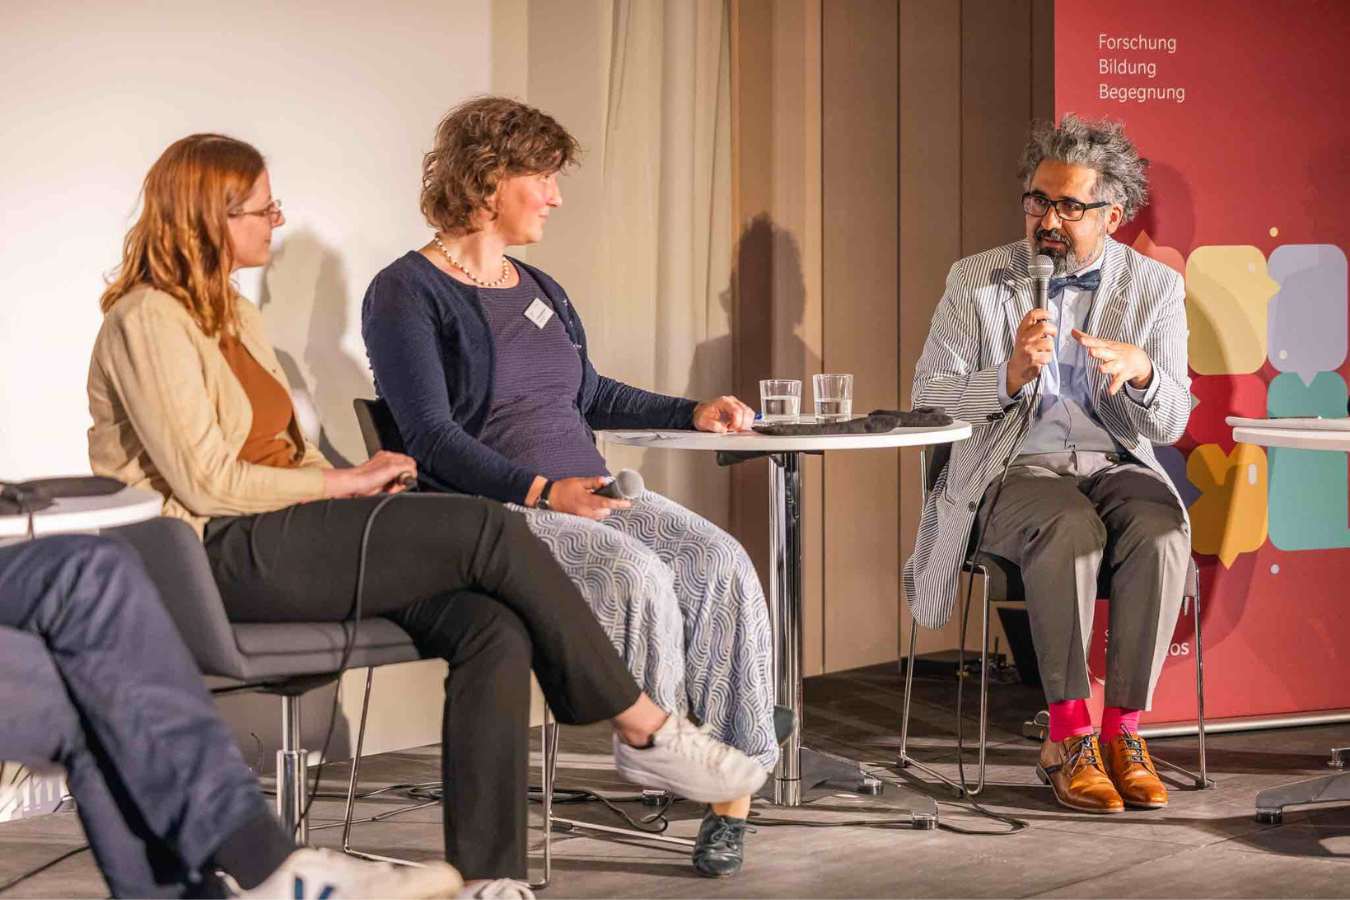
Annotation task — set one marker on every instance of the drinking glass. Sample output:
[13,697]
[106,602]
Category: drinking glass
[834,397]
[780,399]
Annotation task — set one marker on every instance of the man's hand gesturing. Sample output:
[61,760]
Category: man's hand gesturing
[1119,361]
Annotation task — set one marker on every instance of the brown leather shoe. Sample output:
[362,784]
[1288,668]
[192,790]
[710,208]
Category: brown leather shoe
[1133,773]
[1073,769]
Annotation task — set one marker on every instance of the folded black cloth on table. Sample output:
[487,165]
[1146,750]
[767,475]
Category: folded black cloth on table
[918,417]
[26,497]
[875,422]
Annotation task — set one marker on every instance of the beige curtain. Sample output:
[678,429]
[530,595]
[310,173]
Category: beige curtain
[643,240]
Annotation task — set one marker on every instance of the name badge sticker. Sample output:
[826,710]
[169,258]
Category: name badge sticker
[538,312]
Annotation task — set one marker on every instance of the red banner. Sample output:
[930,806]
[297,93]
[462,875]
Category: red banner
[1241,108]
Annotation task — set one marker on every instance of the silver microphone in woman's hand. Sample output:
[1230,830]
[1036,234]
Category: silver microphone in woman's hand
[625,485]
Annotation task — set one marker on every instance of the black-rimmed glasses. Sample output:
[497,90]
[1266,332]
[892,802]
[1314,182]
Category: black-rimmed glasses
[1068,210]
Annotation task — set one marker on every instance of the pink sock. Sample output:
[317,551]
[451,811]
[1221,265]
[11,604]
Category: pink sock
[1116,719]
[1069,718]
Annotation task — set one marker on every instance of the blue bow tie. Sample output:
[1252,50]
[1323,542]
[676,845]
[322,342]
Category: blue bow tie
[1088,281]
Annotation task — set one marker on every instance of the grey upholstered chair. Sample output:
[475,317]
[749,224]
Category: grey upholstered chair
[1000,581]
[288,659]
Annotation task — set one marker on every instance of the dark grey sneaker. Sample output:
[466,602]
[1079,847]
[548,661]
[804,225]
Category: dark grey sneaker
[720,848]
[782,724]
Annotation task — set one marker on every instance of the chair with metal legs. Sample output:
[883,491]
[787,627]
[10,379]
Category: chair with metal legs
[285,659]
[1001,581]
[548,778]
[549,754]
[380,432]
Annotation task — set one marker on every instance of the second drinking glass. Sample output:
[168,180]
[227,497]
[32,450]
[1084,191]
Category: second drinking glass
[834,397]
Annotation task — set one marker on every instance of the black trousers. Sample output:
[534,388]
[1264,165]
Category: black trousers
[471,584]
[94,676]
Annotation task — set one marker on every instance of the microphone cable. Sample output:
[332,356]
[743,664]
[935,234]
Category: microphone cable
[654,823]
[348,648]
[1014,824]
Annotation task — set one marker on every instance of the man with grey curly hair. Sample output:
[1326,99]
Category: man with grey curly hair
[1121,180]
[1068,401]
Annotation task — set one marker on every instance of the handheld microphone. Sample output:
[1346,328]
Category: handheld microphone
[625,485]
[1040,269]
[407,480]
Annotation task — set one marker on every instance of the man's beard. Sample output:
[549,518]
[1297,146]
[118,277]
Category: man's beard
[1066,260]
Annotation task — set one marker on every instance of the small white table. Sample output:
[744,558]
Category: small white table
[799,768]
[126,507]
[1271,802]
[1293,438]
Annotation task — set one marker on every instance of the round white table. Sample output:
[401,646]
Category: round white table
[1271,802]
[1293,438]
[126,507]
[799,768]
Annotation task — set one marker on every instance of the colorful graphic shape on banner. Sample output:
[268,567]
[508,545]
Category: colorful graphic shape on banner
[1250,170]
[1307,317]
[1227,295]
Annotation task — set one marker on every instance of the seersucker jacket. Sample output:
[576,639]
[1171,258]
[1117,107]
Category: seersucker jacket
[1140,301]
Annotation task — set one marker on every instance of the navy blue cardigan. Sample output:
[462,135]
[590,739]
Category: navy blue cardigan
[433,358]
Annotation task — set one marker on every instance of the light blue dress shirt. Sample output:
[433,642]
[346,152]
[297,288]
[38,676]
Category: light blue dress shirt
[1066,418]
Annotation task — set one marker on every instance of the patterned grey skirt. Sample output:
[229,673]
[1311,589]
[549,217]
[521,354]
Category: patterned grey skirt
[684,607]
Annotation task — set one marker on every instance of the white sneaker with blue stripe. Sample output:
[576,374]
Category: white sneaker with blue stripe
[309,874]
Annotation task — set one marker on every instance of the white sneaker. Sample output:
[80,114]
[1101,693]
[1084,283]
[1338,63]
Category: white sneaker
[497,889]
[313,873]
[689,762]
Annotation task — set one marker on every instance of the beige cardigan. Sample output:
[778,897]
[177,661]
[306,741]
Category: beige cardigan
[170,415]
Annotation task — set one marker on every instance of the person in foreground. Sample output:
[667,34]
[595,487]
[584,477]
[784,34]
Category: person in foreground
[188,399]
[1085,490]
[483,362]
[94,677]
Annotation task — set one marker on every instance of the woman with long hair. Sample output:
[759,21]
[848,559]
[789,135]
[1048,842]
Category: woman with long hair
[483,362]
[188,399]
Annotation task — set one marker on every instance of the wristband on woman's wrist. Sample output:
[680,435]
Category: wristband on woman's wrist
[542,502]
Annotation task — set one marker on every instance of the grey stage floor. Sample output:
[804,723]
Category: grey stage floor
[1206,844]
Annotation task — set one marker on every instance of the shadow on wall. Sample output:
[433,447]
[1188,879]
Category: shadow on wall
[306,302]
[766,301]
[1169,218]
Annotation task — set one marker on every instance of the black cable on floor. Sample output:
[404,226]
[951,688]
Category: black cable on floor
[430,792]
[655,823]
[33,873]
[878,771]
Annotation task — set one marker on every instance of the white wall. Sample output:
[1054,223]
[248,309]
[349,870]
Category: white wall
[341,97]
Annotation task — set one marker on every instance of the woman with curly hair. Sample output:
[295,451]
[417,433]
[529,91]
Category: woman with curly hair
[483,362]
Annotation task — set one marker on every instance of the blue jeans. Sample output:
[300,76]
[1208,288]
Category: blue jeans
[94,676]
